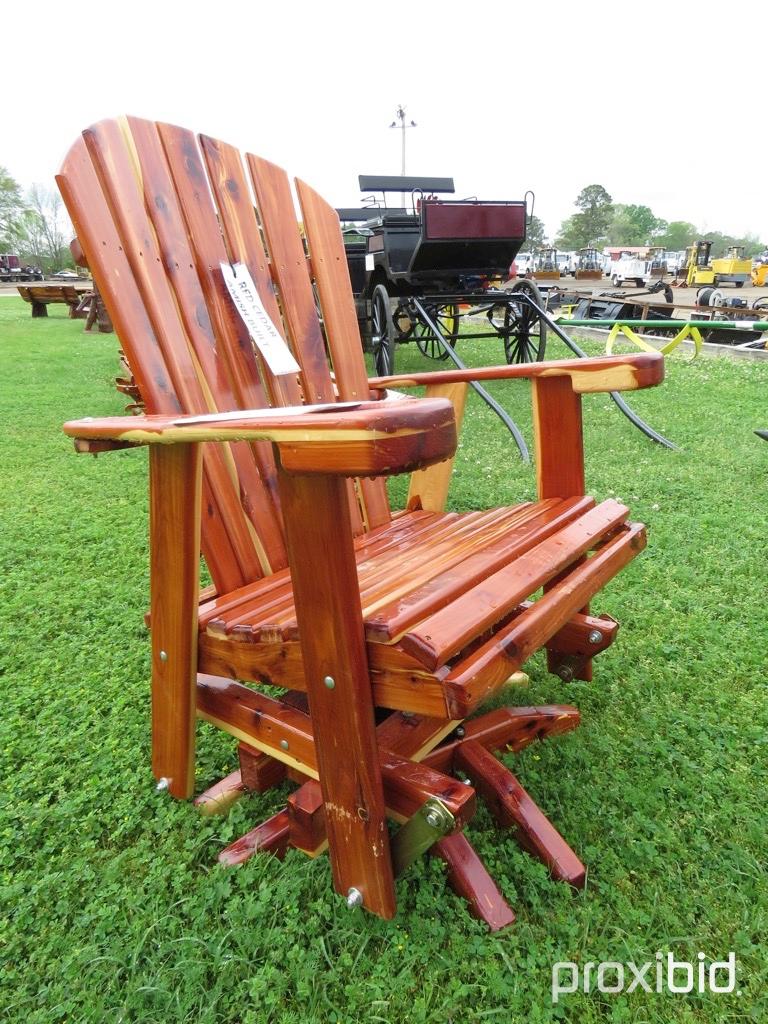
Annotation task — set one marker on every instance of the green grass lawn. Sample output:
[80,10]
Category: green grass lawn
[114,906]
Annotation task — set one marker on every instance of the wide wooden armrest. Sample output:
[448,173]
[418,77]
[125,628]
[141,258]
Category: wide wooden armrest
[603,373]
[346,438]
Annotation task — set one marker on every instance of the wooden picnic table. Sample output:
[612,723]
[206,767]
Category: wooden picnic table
[41,295]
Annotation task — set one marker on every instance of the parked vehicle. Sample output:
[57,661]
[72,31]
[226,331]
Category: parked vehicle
[733,268]
[523,264]
[629,268]
[426,270]
[675,261]
[546,266]
[566,261]
[11,269]
[589,265]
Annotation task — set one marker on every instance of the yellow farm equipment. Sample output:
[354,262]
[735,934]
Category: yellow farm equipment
[759,275]
[545,265]
[589,265]
[733,268]
[699,269]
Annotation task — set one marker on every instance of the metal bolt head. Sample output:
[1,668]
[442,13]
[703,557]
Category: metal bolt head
[460,731]
[432,818]
[330,682]
[162,784]
[354,898]
[163,656]
[283,744]
[566,673]
[595,636]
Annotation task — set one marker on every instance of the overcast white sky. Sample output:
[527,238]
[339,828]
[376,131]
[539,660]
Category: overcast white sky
[549,96]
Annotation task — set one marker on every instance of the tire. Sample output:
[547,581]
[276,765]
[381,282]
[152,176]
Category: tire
[739,284]
[523,332]
[639,282]
[615,281]
[447,319]
[382,332]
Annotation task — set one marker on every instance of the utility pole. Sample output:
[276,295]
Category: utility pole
[400,114]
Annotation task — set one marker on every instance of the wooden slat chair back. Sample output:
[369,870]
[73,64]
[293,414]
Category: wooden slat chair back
[317,586]
[156,215]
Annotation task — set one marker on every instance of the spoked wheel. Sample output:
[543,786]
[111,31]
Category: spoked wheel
[524,333]
[447,320]
[382,332]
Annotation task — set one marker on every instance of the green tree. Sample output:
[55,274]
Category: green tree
[678,235]
[571,234]
[590,225]
[596,208]
[634,225]
[534,236]
[46,230]
[12,210]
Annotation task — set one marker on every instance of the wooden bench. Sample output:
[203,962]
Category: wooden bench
[41,295]
[385,629]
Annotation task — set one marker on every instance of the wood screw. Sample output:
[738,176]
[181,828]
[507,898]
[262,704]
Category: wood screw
[354,898]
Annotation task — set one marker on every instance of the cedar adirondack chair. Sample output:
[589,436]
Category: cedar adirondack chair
[385,629]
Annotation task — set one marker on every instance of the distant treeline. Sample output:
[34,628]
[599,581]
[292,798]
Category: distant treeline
[601,222]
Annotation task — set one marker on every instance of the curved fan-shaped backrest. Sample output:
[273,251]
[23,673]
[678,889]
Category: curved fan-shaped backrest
[157,211]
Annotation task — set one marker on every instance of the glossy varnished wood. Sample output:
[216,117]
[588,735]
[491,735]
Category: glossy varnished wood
[369,439]
[174,516]
[513,808]
[428,488]
[441,635]
[272,836]
[427,612]
[587,376]
[319,538]
[331,275]
[470,879]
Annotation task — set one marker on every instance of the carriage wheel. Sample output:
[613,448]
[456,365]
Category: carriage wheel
[447,319]
[382,332]
[524,333]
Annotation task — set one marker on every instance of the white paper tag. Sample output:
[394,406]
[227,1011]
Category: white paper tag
[263,332]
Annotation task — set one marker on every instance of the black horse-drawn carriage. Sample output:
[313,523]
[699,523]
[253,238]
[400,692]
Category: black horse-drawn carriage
[421,272]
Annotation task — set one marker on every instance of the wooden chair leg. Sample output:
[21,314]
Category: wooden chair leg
[469,878]
[329,617]
[175,479]
[513,808]
[559,456]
